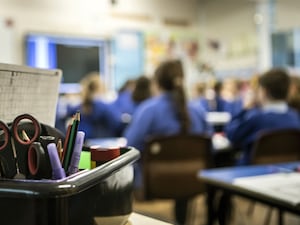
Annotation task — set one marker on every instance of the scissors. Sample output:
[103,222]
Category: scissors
[14,146]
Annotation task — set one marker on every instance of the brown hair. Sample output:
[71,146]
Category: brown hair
[276,83]
[141,90]
[91,86]
[169,76]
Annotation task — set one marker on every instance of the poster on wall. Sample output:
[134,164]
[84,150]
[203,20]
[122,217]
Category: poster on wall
[178,44]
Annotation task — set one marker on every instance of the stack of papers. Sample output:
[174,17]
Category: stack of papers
[281,186]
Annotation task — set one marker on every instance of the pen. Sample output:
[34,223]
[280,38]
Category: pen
[25,136]
[73,168]
[67,139]
[59,149]
[57,170]
[70,145]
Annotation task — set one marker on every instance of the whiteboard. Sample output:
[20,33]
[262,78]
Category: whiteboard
[28,90]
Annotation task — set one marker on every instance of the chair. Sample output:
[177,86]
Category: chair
[275,147]
[171,163]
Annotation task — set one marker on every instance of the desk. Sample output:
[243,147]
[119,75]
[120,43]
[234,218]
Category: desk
[224,180]
[218,118]
[132,219]
[138,219]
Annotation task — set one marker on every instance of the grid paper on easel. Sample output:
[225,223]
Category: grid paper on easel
[28,90]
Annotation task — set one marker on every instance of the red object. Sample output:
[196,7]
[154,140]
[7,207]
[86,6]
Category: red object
[104,154]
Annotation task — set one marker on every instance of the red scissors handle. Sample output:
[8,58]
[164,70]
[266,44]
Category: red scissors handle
[36,126]
[6,135]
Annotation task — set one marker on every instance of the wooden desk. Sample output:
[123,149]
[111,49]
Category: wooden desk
[225,180]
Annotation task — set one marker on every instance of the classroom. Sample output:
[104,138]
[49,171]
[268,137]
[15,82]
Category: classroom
[136,112]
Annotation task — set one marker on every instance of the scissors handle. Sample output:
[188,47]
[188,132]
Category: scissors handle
[5,130]
[36,127]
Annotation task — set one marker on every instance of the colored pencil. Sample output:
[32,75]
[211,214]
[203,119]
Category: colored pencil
[67,139]
[71,143]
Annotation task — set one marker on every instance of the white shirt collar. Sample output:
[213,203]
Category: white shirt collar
[277,107]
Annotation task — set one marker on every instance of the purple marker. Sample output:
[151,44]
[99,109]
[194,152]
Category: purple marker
[57,170]
[73,168]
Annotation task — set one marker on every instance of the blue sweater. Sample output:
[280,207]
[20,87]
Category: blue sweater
[222,105]
[124,103]
[156,116]
[103,121]
[246,126]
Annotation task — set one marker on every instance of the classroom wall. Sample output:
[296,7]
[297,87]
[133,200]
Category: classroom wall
[92,18]
[288,16]
[232,24]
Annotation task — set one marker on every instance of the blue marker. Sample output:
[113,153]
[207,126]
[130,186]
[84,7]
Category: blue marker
[73,168]
[57,171]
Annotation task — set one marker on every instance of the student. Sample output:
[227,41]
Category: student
[215,102]
[130,98]
[141,91]
[294,94]
[124,104]
[166,114]
[272,113]
[98,119]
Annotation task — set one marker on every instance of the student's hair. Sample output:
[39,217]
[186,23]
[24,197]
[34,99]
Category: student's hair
[91,85]
[276,83]
[141,90]
[218,87]
[128,85]
[169,77]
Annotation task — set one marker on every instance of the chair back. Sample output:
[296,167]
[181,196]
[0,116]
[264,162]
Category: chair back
[171,163]
[277,146]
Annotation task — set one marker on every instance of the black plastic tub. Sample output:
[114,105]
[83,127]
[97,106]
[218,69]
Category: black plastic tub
[86,198]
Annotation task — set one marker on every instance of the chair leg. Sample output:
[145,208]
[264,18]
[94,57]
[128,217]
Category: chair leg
[210,203]
[280,217]
[268,216]
[181,208]
[225,209]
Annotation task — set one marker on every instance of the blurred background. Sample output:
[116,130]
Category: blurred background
[124,39]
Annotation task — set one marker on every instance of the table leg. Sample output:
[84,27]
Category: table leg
[210,200]
[280,217]
[224,209]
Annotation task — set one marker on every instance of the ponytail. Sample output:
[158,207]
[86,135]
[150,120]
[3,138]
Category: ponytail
[169,76]
[91,86]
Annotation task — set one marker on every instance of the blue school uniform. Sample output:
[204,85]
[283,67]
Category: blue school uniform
[233,107]
[103,121]
[156,116]
[221,105]
[124,103]
[217,106]
[245,127]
